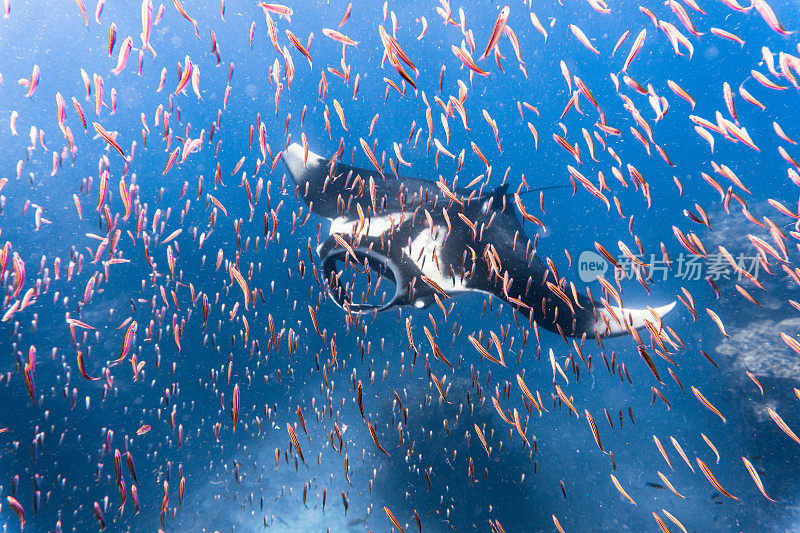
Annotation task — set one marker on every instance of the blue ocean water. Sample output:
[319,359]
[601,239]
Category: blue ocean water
[58,451]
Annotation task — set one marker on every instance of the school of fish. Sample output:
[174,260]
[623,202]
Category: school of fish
[259,315]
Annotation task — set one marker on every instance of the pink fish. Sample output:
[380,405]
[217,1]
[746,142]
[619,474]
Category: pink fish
[34,81]
[769,17]
[147,20]
[124,53]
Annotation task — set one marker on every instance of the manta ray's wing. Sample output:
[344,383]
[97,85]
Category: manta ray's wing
[321,185]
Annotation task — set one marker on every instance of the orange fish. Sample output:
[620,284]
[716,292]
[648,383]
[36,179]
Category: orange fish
[339,37]
[296,444]
[497,31]
[235,407]
[713,480]
[108,138]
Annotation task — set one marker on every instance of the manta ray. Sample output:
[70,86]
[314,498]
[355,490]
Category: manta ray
[434,241]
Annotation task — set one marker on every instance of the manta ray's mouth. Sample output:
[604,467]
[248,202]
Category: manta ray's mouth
[374,288]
